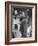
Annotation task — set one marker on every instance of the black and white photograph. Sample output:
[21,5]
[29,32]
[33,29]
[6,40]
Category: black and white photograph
[21,22]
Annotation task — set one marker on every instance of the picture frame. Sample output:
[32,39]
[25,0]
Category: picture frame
[20,10]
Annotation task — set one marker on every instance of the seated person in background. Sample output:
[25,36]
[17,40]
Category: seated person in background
[25,27]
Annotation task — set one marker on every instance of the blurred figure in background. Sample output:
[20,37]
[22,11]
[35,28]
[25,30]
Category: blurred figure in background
[29,29]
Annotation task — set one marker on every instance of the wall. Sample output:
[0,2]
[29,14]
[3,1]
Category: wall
[2,22]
